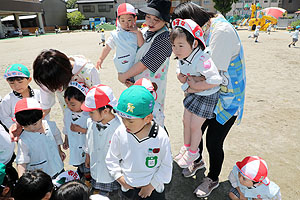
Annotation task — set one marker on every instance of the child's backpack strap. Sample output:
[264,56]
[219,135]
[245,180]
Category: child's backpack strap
[154,130]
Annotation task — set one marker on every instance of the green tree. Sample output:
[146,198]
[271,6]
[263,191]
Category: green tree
[75,18]
[71,4]
[224,6]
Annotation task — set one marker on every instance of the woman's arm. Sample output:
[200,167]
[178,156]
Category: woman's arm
[136,69]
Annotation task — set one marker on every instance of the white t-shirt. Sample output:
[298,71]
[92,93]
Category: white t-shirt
[6,146]
[224,45]
[295,34]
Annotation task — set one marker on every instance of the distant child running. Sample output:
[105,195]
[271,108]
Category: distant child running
[102,38]
[269,29]
[255,34]
[39,144]
[18,78]
[295,36]
[249,181]
[202,95]
[102,125]
[142,146]
[126,39]
[75,127]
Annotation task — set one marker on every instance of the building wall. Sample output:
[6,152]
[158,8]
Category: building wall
[90,10]
[290,5]
[55,12]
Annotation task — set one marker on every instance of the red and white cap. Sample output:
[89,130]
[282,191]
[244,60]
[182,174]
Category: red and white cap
[254,168]
[125,8]
[99,96]
[191,26]
[148,85]
[27,104]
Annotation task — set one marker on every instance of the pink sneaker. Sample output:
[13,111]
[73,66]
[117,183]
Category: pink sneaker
[187,159]
[182,151]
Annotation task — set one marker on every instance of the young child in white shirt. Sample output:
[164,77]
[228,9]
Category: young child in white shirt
[99,102]
[295,36]
[202,95]
[139,157]
[249,181]
[39,144]
[18,78]
[75,127]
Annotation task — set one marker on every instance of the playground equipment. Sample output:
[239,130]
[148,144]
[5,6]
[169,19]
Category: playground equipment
[262,22]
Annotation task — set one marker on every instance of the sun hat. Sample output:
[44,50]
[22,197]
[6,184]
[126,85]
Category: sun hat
[135,102]
[254,168]
[158,8]
[65,177]
[27,104]
[125,8]
[99,96]
[16,70]
[191,26]
[2,173]
[80,86]
[147,84]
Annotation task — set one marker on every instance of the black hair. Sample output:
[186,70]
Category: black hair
[10,179]
[73,190]
[52,69]
[33,185]
[130,14]
[179,32]
[16,78]
[28,117]
[104,107]
[189,10]
[72,92]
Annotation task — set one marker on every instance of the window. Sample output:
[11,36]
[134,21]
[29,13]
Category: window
[206,2]
[266,1]
[274,1]
[104,8]
[290,1]
[88,8]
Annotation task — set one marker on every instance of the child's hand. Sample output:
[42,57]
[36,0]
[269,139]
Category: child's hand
[99,63]
[77,128]
[62,155]
[182,78]
[133,29]
[15,131]
[122,181]
[65,145]
[128,83]
[122,78]
[87,161]
[146,191]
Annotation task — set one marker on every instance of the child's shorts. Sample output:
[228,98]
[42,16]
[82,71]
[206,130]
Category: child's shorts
[235,192]
[102,40]
[81,169]
[107,187]
[202,106]
[295,40]
[255,36]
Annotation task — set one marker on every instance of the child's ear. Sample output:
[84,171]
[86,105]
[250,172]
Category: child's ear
[29,79]
[47,196]
[5,191]
[195,43]
[135,18]
[148,118]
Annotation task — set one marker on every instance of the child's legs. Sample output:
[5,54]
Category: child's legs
[187,116]
[196,123]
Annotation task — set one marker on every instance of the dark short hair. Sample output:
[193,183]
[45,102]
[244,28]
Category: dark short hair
[52,69]
[73,190]
[104,107]
[16,78]
[179,32]
[33,185]
[189,10]
[10,179]
[28,117]
[72,92]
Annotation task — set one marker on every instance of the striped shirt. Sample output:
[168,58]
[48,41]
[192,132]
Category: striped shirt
[159,51]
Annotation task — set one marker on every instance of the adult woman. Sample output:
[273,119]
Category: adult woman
[152,59]
[226,50]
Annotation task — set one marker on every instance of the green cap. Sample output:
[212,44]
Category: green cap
[2,172]
[135,102]
[16,70]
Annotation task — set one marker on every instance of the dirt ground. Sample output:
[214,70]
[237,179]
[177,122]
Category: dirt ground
[269,128]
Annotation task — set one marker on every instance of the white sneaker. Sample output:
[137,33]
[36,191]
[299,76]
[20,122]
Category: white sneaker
[182,151]
[187,159]
[206,187]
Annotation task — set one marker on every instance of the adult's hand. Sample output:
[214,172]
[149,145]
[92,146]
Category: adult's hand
[122,77]
[15,131]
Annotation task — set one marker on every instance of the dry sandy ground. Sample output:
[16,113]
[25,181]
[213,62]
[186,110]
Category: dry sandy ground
[270,126]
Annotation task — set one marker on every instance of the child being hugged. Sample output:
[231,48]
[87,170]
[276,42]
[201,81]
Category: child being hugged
[126,39]
[201,80]
[249,181]
[139,157]
[75,127]
[99,102]
[18,78]
[39,144]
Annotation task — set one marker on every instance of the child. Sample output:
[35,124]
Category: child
[188,45]
[18,78]
[101,126]
[158,115]
[33,185]
[142,147]
[256,33]
[39,144]
[249,181]
[73,190]
[7,182]
[75,126]
[102,38]
[295,36]
[36,32]
[269,29]
[126,39]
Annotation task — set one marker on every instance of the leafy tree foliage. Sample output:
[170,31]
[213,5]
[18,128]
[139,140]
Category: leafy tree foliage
[224,6]
[75,18]
[71,4]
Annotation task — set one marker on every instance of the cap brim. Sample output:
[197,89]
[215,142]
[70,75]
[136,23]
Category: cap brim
[266,181]
[151,11]
[87,109]
[125,13]
[124,115]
